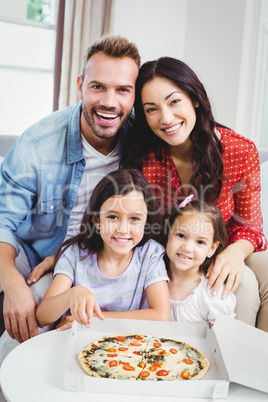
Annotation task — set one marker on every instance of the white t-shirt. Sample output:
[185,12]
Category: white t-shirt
[97,166]
[201,306]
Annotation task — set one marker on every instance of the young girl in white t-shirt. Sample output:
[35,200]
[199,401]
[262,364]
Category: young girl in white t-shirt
[194,233]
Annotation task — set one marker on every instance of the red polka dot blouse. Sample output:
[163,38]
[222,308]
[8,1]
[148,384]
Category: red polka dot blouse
[240,197]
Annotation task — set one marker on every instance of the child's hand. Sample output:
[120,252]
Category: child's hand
[46,265]
[82,304]
[66,323]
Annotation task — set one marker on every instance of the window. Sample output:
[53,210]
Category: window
[28,38]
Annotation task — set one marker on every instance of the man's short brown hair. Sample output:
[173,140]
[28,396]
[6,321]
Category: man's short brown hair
[113,46]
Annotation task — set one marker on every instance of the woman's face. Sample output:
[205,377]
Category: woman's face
[169,111]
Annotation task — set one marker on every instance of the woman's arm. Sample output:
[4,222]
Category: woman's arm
[245,226]
[229,264]
[246,222]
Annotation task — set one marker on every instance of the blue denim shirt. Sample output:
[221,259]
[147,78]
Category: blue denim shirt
[40,177]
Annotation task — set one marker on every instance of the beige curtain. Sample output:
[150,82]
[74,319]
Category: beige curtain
[84,22]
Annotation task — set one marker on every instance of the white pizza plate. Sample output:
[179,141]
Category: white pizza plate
[236,351]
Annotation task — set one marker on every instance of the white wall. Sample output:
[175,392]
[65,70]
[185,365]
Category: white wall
[156,26]
[14,8]
[259,121]
[217,38]
[213,48]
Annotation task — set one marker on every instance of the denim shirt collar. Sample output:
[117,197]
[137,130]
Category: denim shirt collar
[74,146]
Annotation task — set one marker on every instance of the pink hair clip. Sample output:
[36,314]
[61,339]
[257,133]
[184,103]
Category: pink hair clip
[186,201]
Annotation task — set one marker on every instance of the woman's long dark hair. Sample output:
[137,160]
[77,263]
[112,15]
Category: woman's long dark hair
[207,148]
[119,182]
[212,213]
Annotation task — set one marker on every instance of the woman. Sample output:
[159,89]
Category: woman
[182,150]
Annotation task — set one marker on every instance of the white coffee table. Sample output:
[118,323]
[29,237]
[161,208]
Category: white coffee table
[33,372]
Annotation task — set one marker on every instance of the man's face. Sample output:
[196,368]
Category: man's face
[107,94]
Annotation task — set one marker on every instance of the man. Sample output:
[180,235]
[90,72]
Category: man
[48,176]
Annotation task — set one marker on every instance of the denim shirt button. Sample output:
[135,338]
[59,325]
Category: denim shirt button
[52,207]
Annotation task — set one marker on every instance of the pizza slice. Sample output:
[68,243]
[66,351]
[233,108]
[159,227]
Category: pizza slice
[128,340]
[114,357]
[158,370]
[176,360]
[129,344]
[108,364]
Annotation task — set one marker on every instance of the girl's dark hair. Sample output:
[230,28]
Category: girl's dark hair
[207,148]
[212,213]
[119,182]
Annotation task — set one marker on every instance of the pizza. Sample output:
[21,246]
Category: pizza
[138,357]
